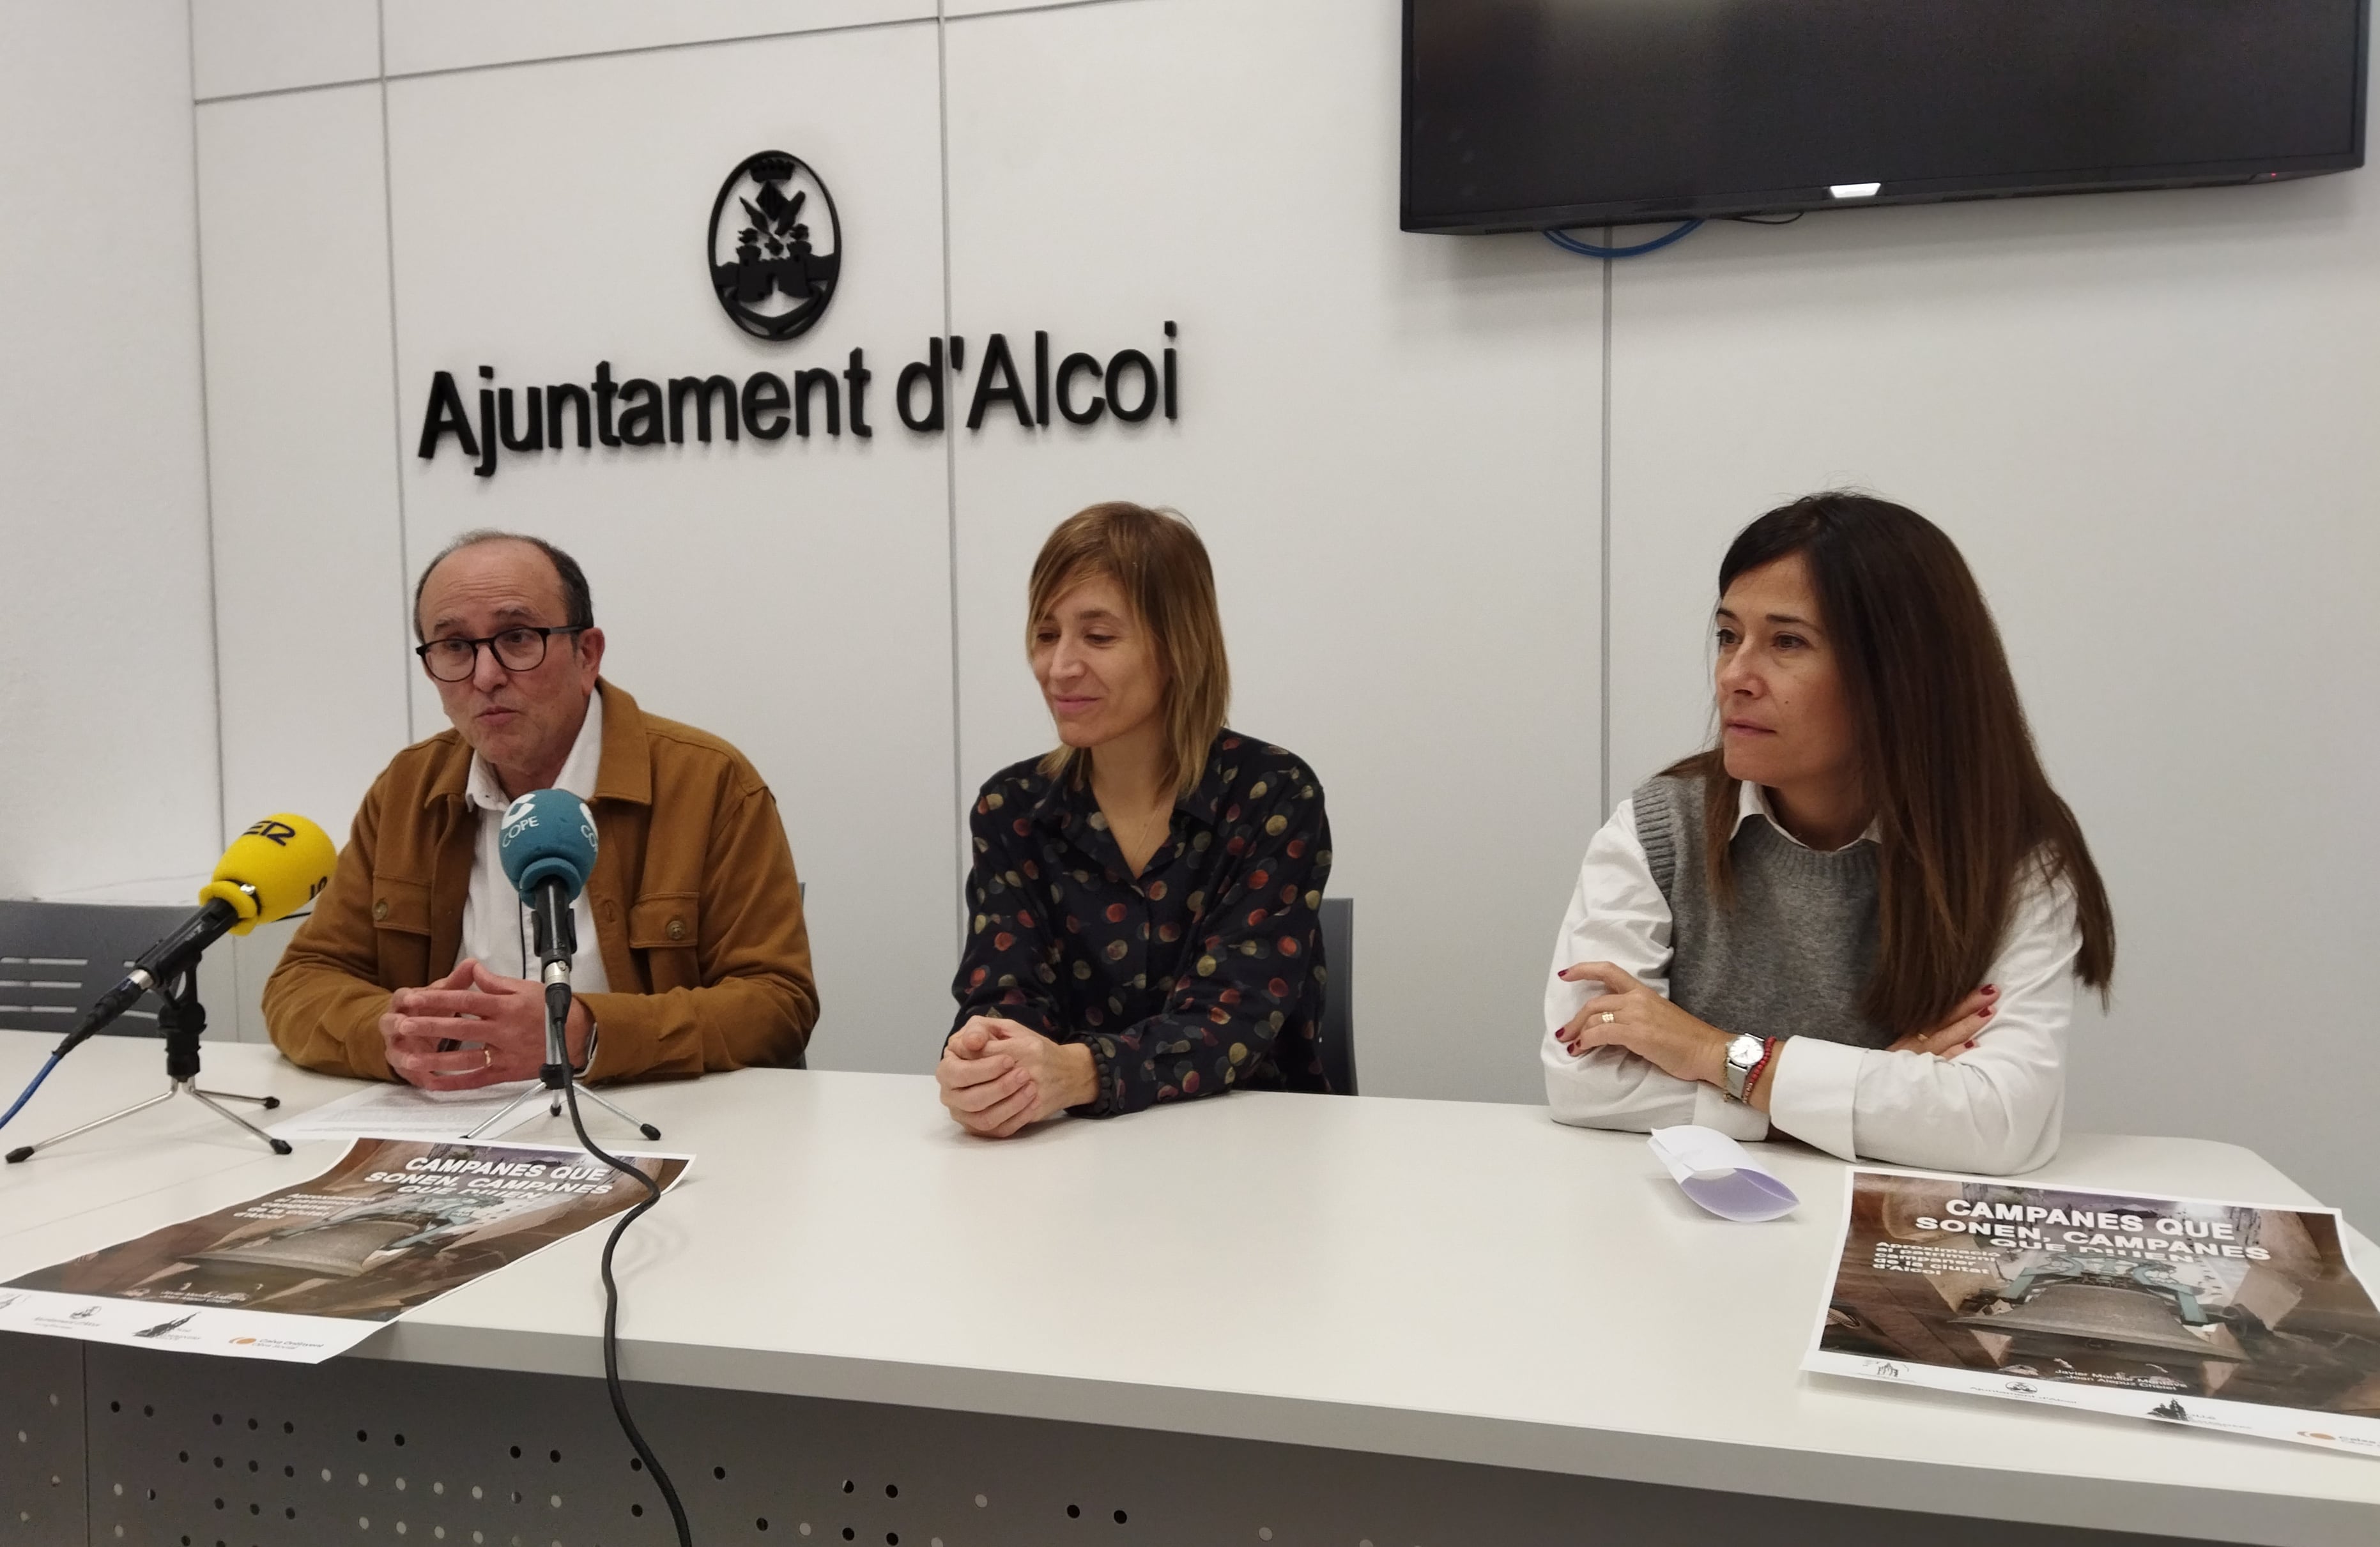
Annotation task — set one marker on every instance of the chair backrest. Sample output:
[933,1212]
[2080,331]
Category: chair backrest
[1339,994]
[55,958]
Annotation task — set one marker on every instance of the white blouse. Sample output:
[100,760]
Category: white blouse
[1995,1108]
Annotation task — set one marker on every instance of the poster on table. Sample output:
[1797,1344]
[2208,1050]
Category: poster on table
[2223,1316]
[309,1270]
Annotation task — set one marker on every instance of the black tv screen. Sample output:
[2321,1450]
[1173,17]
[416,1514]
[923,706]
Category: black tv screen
[1530,114]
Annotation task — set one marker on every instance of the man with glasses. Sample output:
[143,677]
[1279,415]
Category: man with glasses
[416,962]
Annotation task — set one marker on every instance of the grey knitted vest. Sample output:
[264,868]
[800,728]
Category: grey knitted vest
[1793,956]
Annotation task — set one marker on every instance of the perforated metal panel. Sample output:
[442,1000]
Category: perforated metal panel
[42,1486]
[212,1453]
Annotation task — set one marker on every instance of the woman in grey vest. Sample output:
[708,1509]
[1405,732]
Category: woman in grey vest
[1860,917]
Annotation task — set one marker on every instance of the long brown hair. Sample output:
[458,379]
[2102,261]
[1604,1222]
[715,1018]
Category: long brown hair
[1946,758]
[1155,559]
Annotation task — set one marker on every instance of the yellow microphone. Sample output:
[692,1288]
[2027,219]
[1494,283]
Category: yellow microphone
[272,870]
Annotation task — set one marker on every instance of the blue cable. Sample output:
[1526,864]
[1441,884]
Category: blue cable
[1568,243]
[30,1089]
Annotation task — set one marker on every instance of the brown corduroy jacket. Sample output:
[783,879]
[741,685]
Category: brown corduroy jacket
[697,912]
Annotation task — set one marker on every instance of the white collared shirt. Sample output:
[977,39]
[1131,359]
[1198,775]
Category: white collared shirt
[496,928]
[1997,1108]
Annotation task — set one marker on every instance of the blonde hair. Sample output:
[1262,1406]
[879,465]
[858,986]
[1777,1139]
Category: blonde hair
[1155,557]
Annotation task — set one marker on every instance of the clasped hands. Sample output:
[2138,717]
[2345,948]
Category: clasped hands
[1627,1014]
[473,1028]
[999,1077]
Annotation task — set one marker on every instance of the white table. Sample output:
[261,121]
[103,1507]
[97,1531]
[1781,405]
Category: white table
[1453,1281]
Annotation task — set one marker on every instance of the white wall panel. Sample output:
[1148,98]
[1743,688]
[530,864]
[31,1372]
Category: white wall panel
[956,8]
[275,45]
[2147,420]
[452,34]
[792,597]
[107,732]
[302,438]
[303,450]
[1389,444]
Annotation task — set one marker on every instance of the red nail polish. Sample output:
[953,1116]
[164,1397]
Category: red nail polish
[1991,988]
[1971,1045]
[1987,1012]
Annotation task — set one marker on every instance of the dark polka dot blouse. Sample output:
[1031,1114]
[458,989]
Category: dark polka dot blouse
[1202,974]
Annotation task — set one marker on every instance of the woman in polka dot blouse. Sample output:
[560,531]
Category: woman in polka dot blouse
[1144,914]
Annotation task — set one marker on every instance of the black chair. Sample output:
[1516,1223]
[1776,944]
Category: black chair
[56,959]
[1339,994]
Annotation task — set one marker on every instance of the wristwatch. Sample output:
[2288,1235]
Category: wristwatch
[1744,1056]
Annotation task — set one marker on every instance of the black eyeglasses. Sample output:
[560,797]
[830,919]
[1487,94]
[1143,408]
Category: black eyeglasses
[516,649]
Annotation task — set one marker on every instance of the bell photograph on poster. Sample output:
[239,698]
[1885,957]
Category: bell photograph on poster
[2219,1315]
[309,1270]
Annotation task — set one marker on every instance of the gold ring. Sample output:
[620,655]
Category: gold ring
[488,1059]
[1609,1018]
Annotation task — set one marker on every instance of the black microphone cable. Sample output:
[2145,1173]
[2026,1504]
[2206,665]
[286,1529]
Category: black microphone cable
[612,1316]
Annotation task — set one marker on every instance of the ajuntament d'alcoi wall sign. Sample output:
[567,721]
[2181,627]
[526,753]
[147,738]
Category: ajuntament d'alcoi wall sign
[646,411]
[776,259]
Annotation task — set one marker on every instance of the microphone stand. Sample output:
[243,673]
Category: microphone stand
[183,1020]
[557,942]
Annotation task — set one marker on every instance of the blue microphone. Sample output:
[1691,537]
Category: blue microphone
[548,835]
[548,847]
[547,844]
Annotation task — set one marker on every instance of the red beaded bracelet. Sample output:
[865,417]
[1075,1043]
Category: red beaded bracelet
[1767,1051]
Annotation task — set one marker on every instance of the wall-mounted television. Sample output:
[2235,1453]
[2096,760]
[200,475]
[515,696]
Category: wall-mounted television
[1526,115]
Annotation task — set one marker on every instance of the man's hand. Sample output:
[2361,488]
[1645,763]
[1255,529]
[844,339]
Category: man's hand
[473,1028]
[999,1077]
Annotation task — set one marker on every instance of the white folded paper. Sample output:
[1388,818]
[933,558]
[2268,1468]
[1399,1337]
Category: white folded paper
[403,1112]
[1719,1174]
